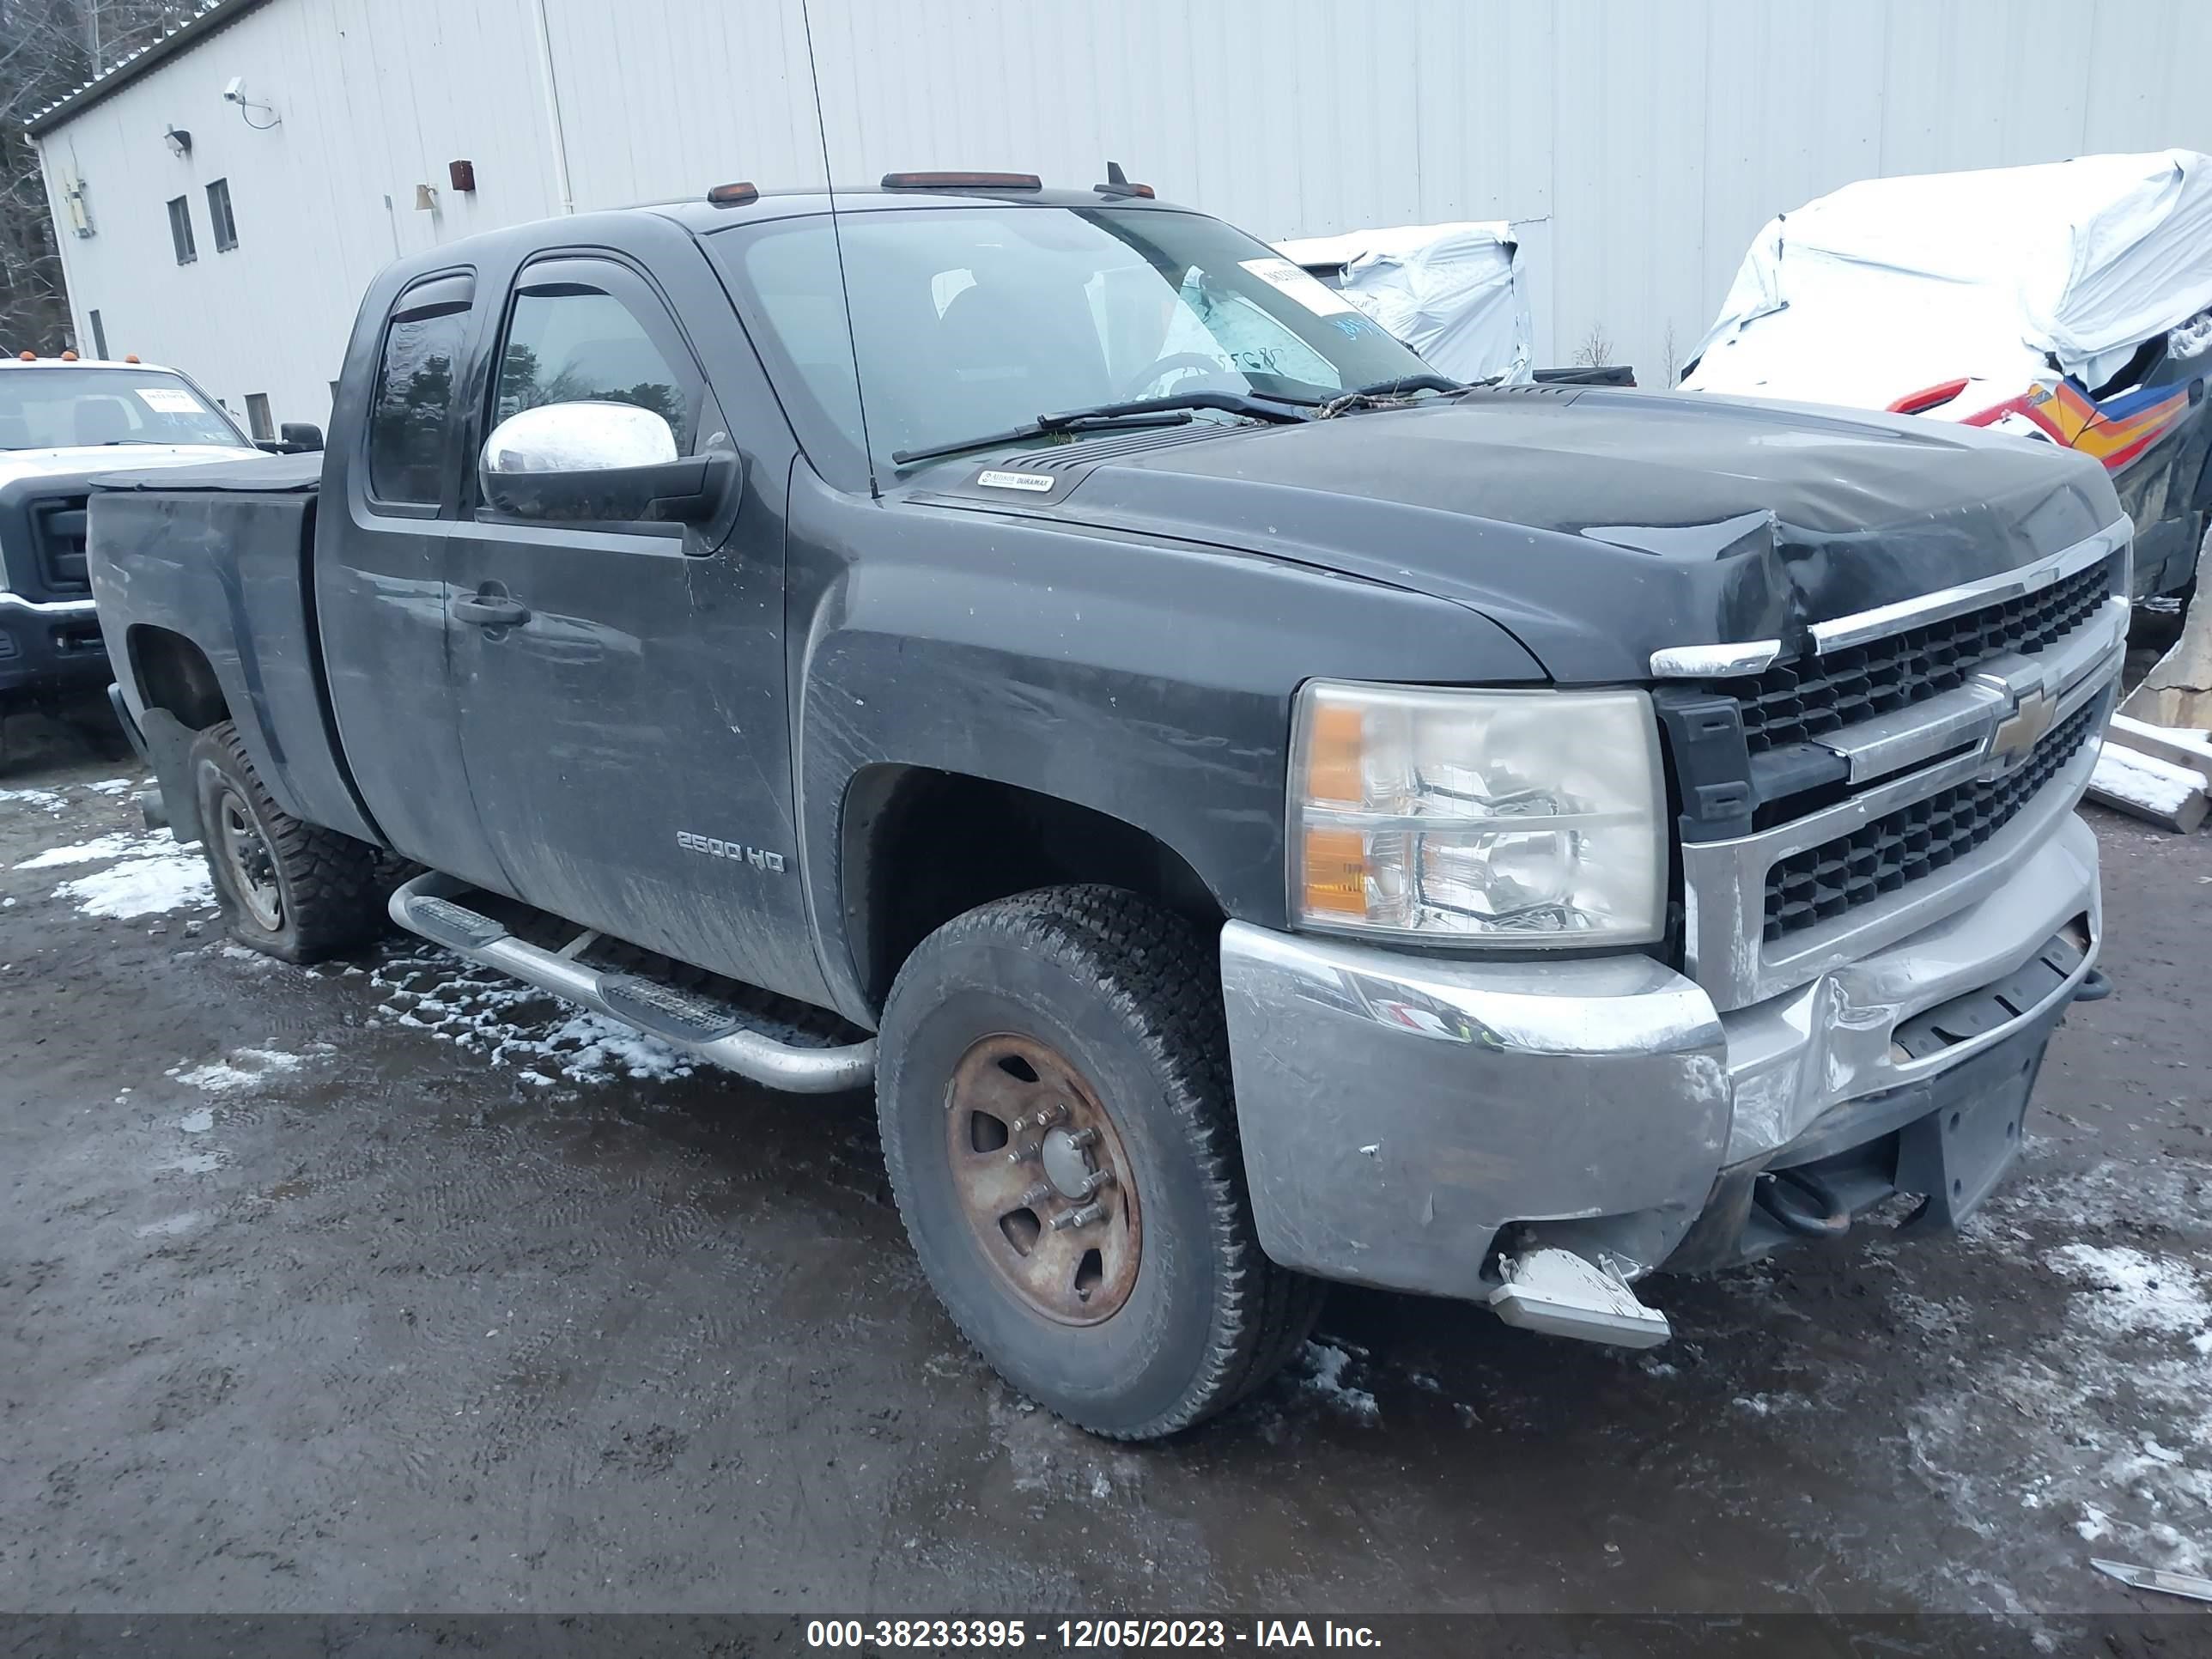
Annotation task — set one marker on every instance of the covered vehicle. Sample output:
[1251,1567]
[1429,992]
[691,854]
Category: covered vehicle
[1455,293]
[2070,301]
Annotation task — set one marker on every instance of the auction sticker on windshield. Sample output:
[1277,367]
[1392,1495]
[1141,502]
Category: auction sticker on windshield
[167,399]
[1308,291]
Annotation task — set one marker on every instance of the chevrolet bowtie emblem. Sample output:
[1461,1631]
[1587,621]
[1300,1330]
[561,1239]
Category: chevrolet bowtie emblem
[2022,729]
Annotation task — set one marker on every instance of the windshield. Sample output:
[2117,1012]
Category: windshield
[971,320]
[63,408]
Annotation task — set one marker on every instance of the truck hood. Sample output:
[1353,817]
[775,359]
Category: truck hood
[76,459]
[1597,524]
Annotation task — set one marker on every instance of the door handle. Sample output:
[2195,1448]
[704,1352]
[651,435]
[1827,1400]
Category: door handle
[490,610]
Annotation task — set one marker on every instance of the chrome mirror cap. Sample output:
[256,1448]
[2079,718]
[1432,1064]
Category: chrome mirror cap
[581,437]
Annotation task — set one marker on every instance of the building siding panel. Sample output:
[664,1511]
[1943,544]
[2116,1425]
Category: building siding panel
[1638,147]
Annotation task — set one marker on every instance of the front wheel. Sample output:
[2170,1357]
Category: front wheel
[1061,1138]
[291,890]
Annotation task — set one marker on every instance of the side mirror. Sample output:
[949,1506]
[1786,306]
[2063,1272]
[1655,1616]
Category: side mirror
[600,461]
[302,435]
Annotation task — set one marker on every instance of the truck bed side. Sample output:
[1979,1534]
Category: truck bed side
[178,639]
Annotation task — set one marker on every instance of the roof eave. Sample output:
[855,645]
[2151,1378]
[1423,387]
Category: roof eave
[208,20]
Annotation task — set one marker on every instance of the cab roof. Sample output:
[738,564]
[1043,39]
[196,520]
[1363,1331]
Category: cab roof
[701,216]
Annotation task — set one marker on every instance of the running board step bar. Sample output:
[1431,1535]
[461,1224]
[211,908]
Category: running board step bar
[718,1032]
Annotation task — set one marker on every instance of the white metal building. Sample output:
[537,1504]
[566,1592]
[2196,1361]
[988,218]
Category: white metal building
[1639,145]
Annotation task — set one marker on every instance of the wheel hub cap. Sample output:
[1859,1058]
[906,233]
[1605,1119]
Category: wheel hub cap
[253,866]
[1042,1176]
[1067,1165]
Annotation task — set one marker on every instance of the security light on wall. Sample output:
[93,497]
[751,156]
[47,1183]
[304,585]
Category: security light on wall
[179,140]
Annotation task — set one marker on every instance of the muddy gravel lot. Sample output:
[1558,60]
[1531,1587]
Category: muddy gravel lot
[385,1285]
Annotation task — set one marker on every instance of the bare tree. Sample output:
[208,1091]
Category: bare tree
[1596,347]
[1673,354]
[49,48]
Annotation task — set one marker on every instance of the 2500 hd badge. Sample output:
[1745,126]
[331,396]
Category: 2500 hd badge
[759,857]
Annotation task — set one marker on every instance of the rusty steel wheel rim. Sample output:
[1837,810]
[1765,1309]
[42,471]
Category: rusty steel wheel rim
[1042,1178]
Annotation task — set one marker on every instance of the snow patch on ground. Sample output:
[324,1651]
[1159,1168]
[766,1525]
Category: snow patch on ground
[100,850]
[1323,1364]
[1048,1460]
[147,874]
[510,1024]
[172,1226]
[2105,1421]
[198,1121]
[40,799]
[247,1068]
[2129,1293]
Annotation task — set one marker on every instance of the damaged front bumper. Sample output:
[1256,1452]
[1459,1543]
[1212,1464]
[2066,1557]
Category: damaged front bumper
[1403,1116]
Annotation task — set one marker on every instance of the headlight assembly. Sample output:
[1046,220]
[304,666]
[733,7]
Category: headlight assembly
[1521,819]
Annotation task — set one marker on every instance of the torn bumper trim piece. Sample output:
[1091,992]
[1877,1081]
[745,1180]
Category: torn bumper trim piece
[1398,1112]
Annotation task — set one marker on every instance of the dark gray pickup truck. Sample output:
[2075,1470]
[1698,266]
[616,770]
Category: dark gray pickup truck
[1259,813]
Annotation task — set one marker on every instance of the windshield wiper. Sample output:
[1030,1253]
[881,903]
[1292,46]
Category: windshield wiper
[1393,393]
[1172,409]
[1398,385]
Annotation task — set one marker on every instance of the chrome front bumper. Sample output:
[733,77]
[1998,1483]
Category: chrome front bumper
[1397,1111]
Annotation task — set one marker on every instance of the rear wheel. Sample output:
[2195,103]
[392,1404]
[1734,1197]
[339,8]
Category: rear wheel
[1061,1138]
[293,889]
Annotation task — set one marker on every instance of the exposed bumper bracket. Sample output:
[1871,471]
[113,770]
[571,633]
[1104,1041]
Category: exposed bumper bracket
[1562,1294]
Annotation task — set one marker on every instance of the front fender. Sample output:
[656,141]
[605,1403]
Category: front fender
[1150,682]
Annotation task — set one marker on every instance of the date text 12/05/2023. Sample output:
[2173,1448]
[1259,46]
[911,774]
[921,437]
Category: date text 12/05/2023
[1010,1634]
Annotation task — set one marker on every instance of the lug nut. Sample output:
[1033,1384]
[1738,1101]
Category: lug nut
[1082,1217]
[1055,1113]
[1028,1152]
[1038,1194]
[1083,1139]
[1095,1180]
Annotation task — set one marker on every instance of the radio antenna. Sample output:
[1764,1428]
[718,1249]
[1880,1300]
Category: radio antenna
[837,242]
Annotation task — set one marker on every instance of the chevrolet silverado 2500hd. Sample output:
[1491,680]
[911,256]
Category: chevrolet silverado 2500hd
[1259,812]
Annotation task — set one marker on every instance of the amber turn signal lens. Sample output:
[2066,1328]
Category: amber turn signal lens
[1336,872]
[1334,748]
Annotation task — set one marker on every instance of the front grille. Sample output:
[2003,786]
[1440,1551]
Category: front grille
[1793,702]
[57,546]
[1825,882]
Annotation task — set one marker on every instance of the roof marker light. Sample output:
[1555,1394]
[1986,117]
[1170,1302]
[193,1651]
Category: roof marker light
[69,356]
[962,181]
[736,195]
[28,356]
[129,357]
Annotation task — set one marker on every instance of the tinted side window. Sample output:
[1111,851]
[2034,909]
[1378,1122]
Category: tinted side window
[572,344]
[413,408]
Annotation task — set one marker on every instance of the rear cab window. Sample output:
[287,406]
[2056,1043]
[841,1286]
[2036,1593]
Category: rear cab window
[411,409]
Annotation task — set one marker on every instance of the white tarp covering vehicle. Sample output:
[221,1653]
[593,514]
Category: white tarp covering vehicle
[2070,301]
[1455,293]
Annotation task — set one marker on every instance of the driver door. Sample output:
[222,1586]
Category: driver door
[620,683]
